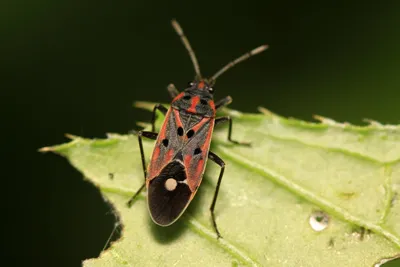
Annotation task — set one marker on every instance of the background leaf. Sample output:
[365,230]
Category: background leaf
[268,194]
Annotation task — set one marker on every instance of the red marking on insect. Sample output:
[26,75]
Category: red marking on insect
[212,105]
[178,97]
[199,168]
[164,127]
[156,152]
[195,102]
[182,147]
[177,118]
[169,155]
[186,161]
[201,85]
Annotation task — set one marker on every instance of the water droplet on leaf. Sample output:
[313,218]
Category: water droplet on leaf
[318,221]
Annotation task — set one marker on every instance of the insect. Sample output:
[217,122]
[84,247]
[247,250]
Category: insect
[182,148]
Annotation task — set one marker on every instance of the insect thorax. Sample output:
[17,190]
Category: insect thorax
[189,120]
[193,101]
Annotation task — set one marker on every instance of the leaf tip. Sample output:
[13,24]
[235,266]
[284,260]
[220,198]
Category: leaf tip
[267,112]
[71,136]
[324,120]
[112,135]
[119,136]
[143,124]
[373,123]
[232,112]
[45,149]
[143,105]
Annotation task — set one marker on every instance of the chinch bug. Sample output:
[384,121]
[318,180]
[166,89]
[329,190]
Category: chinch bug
[182,147]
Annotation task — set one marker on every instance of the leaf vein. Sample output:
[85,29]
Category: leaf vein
[388,193]
[300,191]
[207,233]
[332,148]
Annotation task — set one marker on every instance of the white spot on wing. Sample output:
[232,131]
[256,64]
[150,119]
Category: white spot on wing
[170,184]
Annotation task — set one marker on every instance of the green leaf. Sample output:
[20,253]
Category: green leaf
[346,177]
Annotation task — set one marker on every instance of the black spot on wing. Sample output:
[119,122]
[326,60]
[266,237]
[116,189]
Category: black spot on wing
[165,142]
[180,131]
[190,133]
[197,151]
[166,206]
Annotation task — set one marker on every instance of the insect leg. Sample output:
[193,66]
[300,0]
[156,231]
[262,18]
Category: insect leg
[153,118]
[229,119]
[223,102]
[173,92]
[221,163]
[132,199]
[150,135]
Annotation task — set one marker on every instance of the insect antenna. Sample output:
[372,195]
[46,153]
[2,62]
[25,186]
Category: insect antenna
[247,55]
[186,43]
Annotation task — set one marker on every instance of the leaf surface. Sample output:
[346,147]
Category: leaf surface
[293,170]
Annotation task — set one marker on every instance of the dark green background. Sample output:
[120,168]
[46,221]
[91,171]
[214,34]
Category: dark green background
[77,66]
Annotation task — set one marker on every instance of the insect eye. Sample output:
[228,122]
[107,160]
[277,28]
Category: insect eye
[190,84]
[211,90]
[186,97]
[203,102]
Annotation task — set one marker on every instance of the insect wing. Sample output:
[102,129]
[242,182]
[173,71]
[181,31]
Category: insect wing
[168,142]
[168,194]
[195,152]
[178,168]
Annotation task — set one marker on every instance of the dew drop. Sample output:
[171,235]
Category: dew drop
[319,221]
